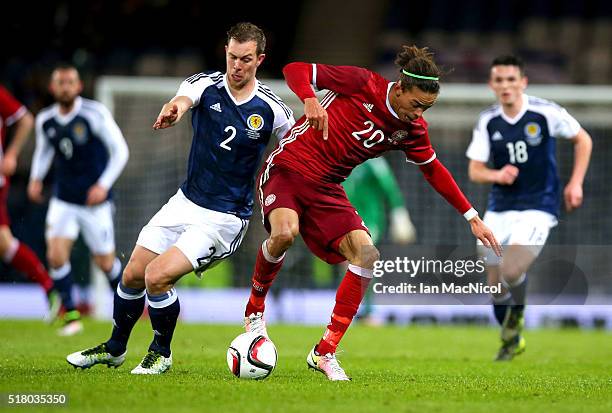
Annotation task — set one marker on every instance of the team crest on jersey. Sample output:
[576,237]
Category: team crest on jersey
[398,136]
[79,132]
[533,134]
[255,122]
[270,200]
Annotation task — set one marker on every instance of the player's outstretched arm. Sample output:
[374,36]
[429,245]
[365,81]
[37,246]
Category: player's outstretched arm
[572,194]
[41,162]
[172,112]
[443,182]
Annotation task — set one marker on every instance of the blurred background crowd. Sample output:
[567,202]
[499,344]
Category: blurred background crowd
[563,41]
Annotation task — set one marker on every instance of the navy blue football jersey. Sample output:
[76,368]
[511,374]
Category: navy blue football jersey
[87,145]
[229,139]
[527,142]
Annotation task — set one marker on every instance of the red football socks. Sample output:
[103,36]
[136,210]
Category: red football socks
[263,277]
[26,262]
[348,297]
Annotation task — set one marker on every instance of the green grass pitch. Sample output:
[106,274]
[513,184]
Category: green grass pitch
[394,369]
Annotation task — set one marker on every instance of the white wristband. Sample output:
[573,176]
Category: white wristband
[471,213]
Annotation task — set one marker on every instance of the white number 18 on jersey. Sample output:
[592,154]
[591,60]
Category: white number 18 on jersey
[517,151]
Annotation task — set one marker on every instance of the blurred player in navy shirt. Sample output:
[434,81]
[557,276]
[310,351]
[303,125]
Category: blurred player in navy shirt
[518,137]
[89,152]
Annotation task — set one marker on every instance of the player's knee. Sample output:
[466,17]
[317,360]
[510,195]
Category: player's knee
[105,263]
[511,272]
[366,257]
[369,256]
[282,239]
[56,260]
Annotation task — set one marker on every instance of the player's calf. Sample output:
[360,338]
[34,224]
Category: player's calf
[513,323]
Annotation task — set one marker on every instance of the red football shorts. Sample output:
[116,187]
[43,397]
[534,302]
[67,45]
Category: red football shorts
[326,215]
[4,216]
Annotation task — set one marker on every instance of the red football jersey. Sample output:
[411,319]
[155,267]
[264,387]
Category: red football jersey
[362,125]
[10,112]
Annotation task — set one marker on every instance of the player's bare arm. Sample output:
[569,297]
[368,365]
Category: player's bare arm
[96,195]
[572,193]
[485,235]
[480,173]
[172,112]
[35,187]
[316,115]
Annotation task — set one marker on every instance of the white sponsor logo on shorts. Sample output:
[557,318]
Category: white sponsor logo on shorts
[270,200]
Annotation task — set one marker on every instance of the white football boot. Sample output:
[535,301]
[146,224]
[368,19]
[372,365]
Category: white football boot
[255,323]
[71,328]
[153,363]
[327,364]
[96,355]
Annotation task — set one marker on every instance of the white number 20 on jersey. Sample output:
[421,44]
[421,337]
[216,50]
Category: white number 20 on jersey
[377,137]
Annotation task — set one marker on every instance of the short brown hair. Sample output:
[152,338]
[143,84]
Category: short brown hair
[509,60]
[244,32]
[418,61]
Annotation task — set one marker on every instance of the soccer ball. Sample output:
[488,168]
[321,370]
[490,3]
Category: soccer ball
[251,356]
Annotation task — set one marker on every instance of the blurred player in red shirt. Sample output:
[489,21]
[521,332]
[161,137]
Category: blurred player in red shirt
[13,252]
[364,115]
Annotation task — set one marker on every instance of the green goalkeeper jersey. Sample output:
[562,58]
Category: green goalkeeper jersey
[373,191]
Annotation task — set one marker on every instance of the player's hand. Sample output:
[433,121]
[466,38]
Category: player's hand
[35,191]
[168,116]
[316,115]
[402,229]
[9,164]
[507,175]
[485,235]
[96,195]
[572,196]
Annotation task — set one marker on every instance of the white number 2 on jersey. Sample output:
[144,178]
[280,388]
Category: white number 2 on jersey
[517,151]
[232,132]
[377,137]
